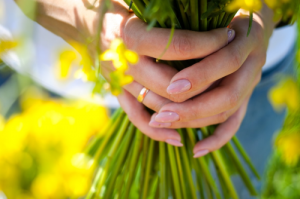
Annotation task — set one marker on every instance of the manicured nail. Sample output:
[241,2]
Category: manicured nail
[179,86]
[174,142]
[167,117]
[154,123]
[201,153]
[231,35]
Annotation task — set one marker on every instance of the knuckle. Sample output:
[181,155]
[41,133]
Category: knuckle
[258,78]
[263,58]
[129,33]
[176,98]
[203,77]
[222,117]
[236,60]
[128,38]
[182,44]
[158,105]
[234,98]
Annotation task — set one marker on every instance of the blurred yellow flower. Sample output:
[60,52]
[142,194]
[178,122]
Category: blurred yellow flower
[286,93]
[249,5]
[40,148]
[6,45]
[67,58]
[120,57]
[288,146]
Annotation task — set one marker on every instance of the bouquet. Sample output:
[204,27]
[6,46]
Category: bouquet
[132,165]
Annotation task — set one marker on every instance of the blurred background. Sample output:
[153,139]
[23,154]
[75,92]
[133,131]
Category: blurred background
[46,123]
[42,134]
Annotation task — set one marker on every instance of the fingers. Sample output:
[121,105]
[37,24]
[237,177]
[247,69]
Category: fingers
[151,100]
[222,134]
[214,67]
[140,117]
[185,44]
[202,122]
[228,95]
[152,75]
[198,123]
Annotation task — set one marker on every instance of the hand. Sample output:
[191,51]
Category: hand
[238,66]
[156,76]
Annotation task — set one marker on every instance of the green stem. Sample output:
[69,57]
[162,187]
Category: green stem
[120,184]
[218,160]
[203,9]
[146,141]
[203,165]
[133,162]
[140,5]
[240,169]
[163,181]
[188,171]
[112,150]
[180,172]
[148,169]
[174,171]
[194,15]
[186,24]
[221,16]
[224,21]
[214,23]
[229,19]
[245,156]
[120,160]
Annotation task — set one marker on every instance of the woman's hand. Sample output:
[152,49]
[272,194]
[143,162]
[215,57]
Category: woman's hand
[156,76]
[238,67]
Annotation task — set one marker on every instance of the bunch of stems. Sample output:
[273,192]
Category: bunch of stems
[131,165]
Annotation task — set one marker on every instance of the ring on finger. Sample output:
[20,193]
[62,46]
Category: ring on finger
[142,94]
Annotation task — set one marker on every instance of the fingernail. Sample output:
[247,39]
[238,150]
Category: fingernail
[167,117]
[179,86]
[174,142]
[154,123]
[231,35]
[201,153]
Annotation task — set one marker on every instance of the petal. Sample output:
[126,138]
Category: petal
[109,55]
[131,56]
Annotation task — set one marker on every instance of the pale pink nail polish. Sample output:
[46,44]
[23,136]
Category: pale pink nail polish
[201,153]
[179,86]
[167,117]
[231,35]
[154,123]
[174,142]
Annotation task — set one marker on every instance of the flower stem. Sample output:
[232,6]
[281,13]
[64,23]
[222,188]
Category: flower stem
[203,9]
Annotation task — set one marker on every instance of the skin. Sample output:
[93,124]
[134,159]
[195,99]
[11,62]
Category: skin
[220,85]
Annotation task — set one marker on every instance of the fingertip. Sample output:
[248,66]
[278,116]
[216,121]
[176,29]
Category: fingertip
[174,142]
[230,35]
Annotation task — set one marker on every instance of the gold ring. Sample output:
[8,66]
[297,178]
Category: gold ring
[142,94]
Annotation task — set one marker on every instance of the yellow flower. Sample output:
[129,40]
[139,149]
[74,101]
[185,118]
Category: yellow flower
[119,55]
[288,146]
[249,5]
[66,58]
[119,79]
[46,140]
[286,93]
[6,45]
[69,57]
